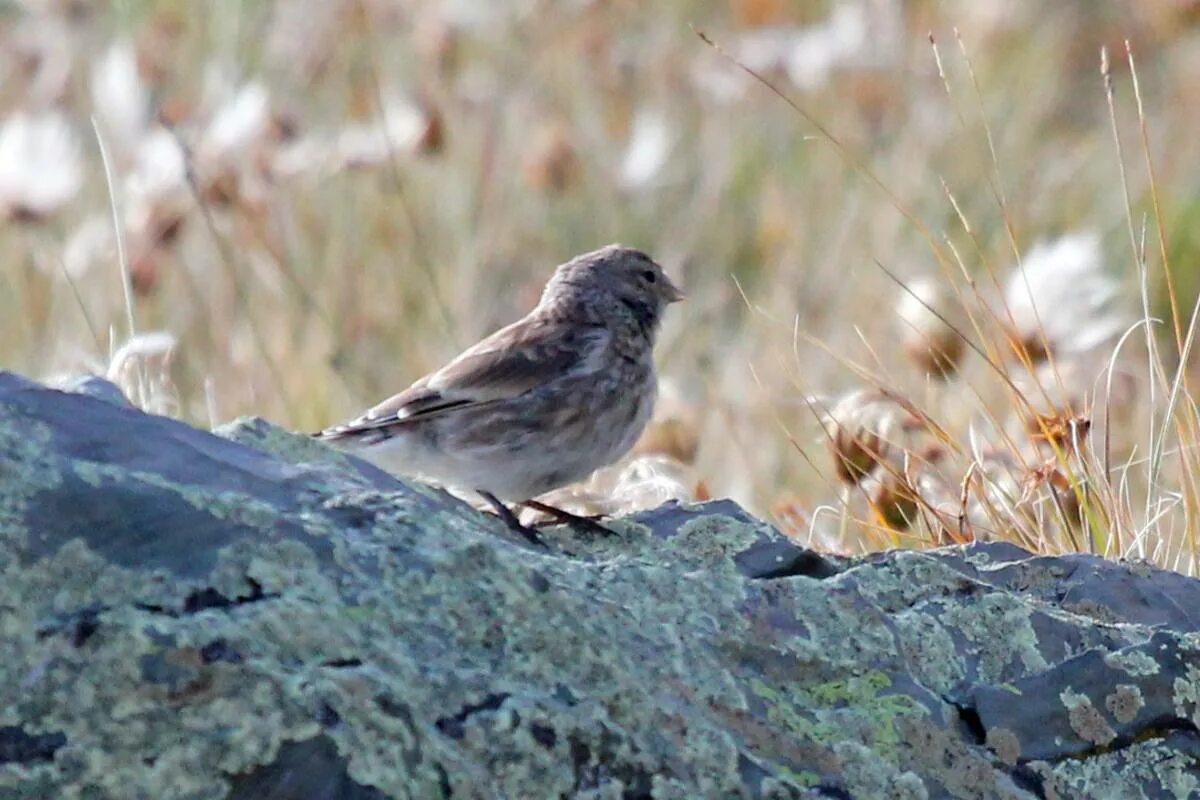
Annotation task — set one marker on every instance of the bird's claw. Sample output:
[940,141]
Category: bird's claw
[577,521]
[510,520]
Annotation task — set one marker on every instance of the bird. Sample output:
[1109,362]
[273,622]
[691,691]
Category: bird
[539,404]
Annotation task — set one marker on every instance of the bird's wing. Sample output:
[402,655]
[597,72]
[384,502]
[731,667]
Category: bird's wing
[508,363]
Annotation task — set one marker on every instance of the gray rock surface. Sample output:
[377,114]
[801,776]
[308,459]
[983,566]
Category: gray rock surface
[253,615]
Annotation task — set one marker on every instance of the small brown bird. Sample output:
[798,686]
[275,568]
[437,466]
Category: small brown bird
[539,404]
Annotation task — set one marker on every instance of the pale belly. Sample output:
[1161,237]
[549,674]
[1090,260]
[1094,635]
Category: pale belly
[537,463]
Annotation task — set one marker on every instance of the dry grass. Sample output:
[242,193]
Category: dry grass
[319,201]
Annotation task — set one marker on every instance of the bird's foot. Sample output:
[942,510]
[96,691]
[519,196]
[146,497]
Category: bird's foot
[577,521]
[510,519]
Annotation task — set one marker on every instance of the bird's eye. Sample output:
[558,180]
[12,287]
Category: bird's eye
[648,276]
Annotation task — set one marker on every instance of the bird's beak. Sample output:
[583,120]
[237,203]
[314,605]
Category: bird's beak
[673,293]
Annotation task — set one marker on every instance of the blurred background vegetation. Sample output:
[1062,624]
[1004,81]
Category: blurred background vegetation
[320,200]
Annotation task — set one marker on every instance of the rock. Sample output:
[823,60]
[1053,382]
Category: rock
[254,615]
[97,387]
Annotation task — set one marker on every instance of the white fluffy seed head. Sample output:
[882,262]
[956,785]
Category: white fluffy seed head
[932,325]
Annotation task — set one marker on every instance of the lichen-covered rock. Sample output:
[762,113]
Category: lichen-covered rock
[253,615]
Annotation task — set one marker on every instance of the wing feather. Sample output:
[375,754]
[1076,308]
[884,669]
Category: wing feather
[510,362]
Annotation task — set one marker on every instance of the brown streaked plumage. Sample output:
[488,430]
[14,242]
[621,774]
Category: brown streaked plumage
[541,403]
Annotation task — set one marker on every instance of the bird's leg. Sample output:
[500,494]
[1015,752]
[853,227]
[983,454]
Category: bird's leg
[567,518]
[510,519]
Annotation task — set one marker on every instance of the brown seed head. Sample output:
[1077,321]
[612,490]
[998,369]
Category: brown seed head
[895,502]
[1048,482]
[932,322]
[904,493]
[552,164]
[864,430]
[1059,430]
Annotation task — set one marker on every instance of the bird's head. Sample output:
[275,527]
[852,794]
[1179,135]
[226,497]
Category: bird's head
[614,279]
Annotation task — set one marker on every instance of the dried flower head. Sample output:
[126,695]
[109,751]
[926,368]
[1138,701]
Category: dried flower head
[120,98]
[910,486]
[1061,431]
[651,140]
[304,35]
[991,490]
[42,47]
[1061,302]
[895,503]
[41,168]
[231,156]
[404,127]
[933,322]
[1079,399]
[552,164]
[1048,489]
[856,35]
[864,430]
[238,123]
[433,135]
[156,192]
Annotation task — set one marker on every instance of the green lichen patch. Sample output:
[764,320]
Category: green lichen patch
[999,629]
[27,467]
[1186,694]
[910,578]
[293,448]
[860,706]
[714,538]
[1134,662]
[1146,769]
[866,776]
[930,650]
[194,617]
